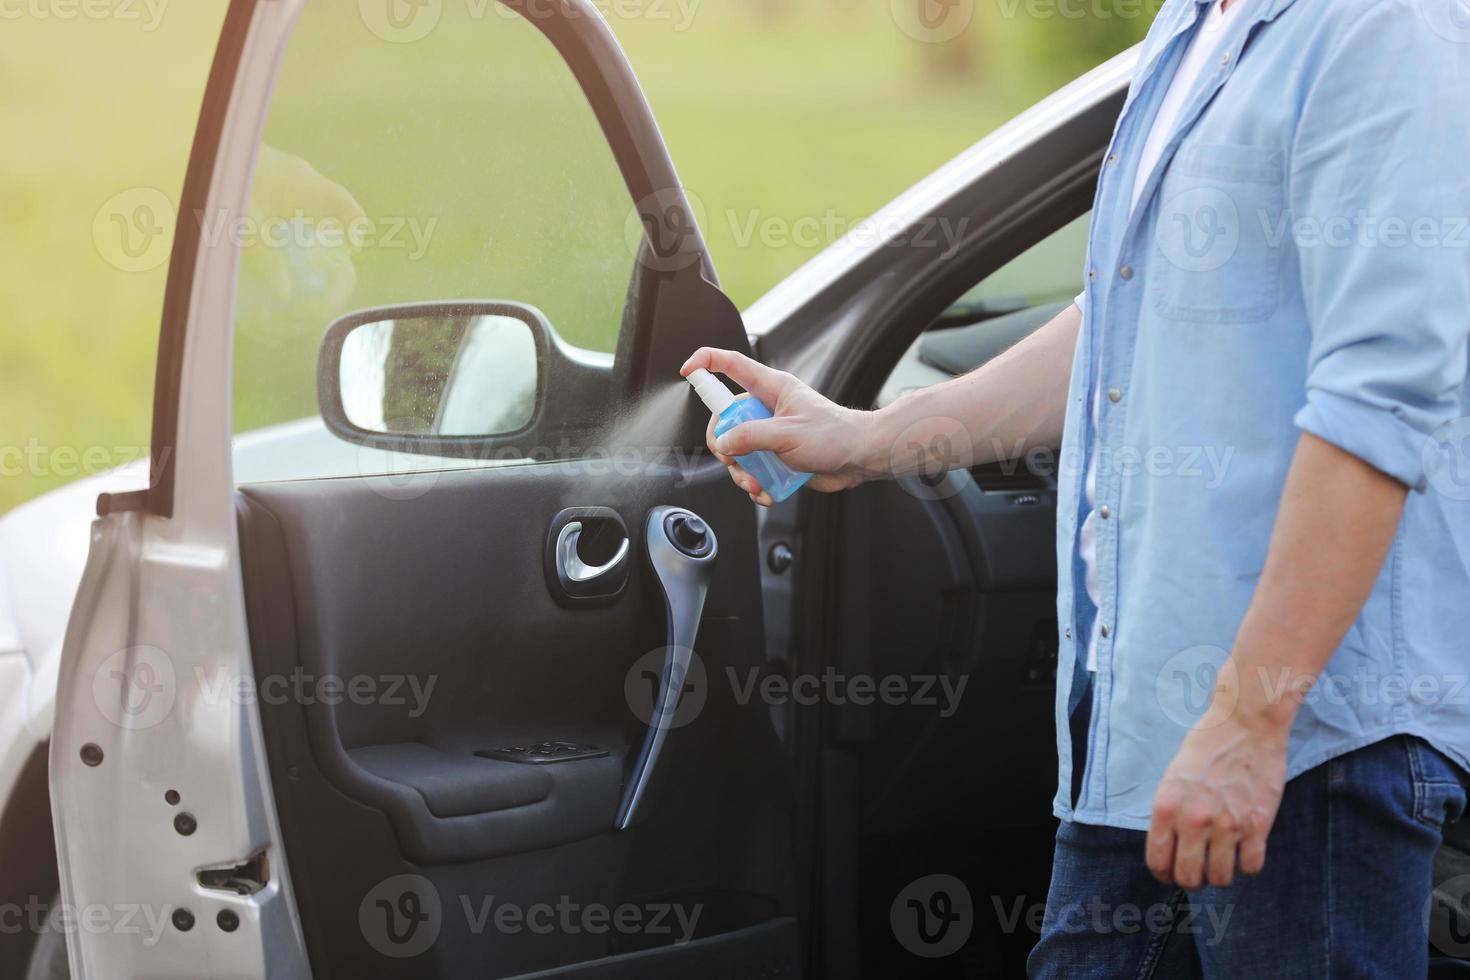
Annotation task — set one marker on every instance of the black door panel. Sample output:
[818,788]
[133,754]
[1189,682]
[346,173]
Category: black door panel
[961,589]
[438,605]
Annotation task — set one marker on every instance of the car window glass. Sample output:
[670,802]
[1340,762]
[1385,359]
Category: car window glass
[1048,272]
[995,313]
[401,166]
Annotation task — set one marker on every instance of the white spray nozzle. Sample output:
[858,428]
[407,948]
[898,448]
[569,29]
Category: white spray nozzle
[711,390]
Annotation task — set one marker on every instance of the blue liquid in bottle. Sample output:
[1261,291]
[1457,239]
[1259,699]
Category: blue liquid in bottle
[774,476]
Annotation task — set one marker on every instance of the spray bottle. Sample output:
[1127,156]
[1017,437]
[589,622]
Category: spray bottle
[775,477]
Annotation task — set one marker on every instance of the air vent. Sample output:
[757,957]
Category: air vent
[1011,476]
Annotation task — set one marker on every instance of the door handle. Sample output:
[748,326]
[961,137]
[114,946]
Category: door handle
[573,581]
[681,551]
[571,563]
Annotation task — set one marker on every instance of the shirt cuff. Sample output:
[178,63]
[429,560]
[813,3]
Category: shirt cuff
[1374,435]
[1081,302]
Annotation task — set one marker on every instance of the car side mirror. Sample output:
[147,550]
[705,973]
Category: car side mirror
[446,379]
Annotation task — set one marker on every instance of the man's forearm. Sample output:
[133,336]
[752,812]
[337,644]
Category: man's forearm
[1336,523]
[1217,801]
[1011,405]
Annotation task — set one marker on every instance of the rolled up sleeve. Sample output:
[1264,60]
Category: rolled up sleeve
[1380,205]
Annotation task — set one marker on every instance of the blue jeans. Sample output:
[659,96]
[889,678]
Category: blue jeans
[1344,892]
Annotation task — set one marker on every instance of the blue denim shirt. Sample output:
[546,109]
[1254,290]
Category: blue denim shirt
[1299,262]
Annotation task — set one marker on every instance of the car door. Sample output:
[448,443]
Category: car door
[427,650]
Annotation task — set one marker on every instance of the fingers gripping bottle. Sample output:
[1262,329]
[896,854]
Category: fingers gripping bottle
[776,478]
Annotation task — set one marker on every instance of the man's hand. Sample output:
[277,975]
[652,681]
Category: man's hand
[1218,798]
[1012,404]
[809,432]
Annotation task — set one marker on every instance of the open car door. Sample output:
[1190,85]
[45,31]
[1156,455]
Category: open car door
[443,667]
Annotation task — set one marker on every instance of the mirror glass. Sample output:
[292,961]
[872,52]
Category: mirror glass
[440,374]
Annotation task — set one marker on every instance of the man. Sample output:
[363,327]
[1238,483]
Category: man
[1278,281]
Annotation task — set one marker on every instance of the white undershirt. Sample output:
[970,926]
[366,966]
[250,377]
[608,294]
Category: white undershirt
[1203,51]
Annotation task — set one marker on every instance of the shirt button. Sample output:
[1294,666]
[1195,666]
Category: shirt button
[1225,59]
[1105,512]
[1112,158]
[1068,632]
[1114,395]
[1105,631]
[1126,272]
[1091,273]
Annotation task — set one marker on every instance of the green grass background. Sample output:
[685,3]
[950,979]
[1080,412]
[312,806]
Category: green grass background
[776,112]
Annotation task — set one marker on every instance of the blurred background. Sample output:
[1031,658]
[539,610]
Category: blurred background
[789,121]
